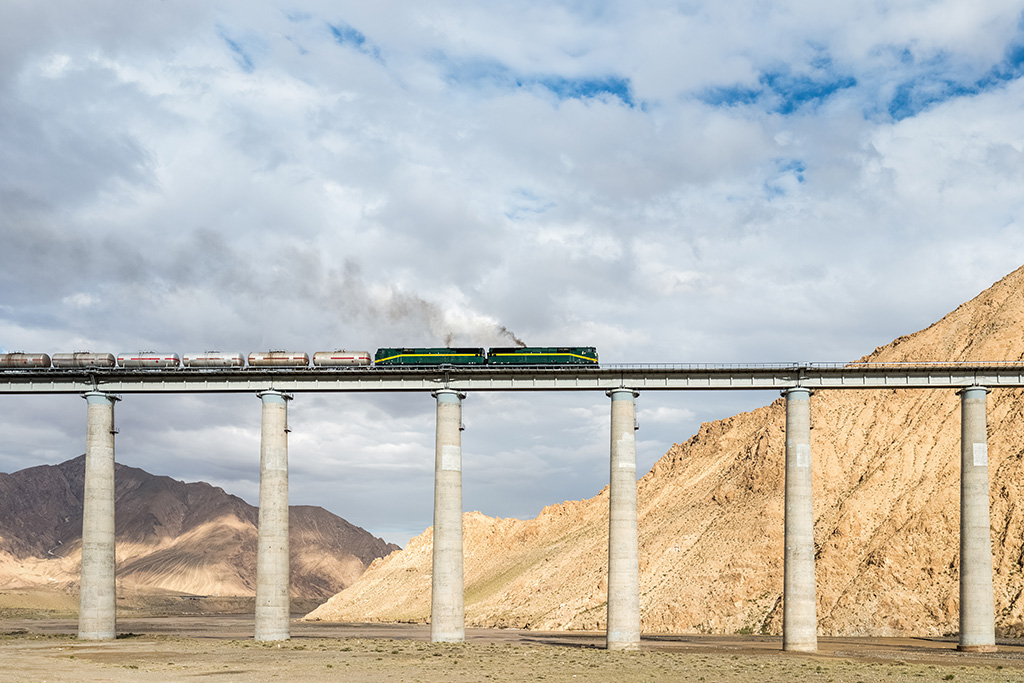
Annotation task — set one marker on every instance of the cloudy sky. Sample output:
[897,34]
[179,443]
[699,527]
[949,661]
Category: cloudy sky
[686,181]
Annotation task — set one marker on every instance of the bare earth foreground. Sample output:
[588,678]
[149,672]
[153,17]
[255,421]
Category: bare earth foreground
[34,647]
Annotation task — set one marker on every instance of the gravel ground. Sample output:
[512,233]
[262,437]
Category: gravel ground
[221,648]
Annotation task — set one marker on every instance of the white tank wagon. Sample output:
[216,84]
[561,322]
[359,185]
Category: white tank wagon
[213,359]
[83,359]
[342,358]
[148,359]
[279,359]
[20,359]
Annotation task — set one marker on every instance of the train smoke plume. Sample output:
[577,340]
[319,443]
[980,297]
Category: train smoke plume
[508,333]
[399,316]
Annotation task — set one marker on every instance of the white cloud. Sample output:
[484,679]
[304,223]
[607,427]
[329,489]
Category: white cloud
[80,300]
[666,415]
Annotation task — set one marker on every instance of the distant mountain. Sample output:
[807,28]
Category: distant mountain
[886,516]
[190,538]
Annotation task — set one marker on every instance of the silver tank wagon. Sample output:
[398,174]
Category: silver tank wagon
[19,359]
[213,359]
[330,359]
[148,359]
[279,359]
[83,359]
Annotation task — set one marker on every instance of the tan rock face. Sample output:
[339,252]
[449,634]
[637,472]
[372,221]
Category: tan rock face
[886,487]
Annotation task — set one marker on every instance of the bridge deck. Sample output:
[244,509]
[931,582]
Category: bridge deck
[642,377]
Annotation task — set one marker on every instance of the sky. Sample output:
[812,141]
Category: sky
[688,181]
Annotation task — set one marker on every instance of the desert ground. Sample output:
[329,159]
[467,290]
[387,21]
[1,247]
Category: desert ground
[185,638]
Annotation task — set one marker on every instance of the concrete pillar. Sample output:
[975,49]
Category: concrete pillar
[623,554]
[799,621]
[977,614]
[96,617]
[272,558]
[447,607]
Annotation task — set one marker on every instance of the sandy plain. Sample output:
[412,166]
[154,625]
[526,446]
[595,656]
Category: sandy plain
[38,643]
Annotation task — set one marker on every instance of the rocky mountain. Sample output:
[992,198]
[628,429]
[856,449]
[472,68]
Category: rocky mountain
[886,507]
[190,538]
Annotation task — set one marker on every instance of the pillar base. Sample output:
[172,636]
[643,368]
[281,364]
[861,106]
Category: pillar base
[274,638]
[97,636]
[977,648]
[800,647]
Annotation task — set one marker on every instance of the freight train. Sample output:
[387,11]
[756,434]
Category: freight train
[529,356]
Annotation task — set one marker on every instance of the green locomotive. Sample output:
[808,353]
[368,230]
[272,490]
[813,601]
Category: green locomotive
[436,356]
[543,355]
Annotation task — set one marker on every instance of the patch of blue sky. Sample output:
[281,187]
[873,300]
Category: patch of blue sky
[349,36]
[935,86]
[786,171]
[587,88]
[731,96]
[527,205]
[943,78]
[488,74]
[794,167]
[781,91]
[1010,68]
[298,47]
[241,53]
[795,92]
[914,96]
[524,213]
[480,74]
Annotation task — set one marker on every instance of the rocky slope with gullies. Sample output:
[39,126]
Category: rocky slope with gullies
[886,508]
[171,536]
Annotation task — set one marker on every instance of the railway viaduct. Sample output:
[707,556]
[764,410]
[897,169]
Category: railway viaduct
[449,386]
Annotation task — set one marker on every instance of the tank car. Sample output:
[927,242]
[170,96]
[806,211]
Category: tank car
[83,359]
[18,359]
[148,359]
[279,359]
[213,359]
[330,359]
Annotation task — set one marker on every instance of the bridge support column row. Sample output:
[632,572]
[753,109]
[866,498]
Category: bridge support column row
[272,557]
[98,599]
[447,607]
[977,613]
[96,617]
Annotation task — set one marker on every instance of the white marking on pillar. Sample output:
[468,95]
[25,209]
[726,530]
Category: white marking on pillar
[97,614]
[623,632]
[447,600]
[977,612]
[799,620]
[272,557]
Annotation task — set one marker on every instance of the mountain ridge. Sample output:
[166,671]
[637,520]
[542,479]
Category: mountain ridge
[189,537]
